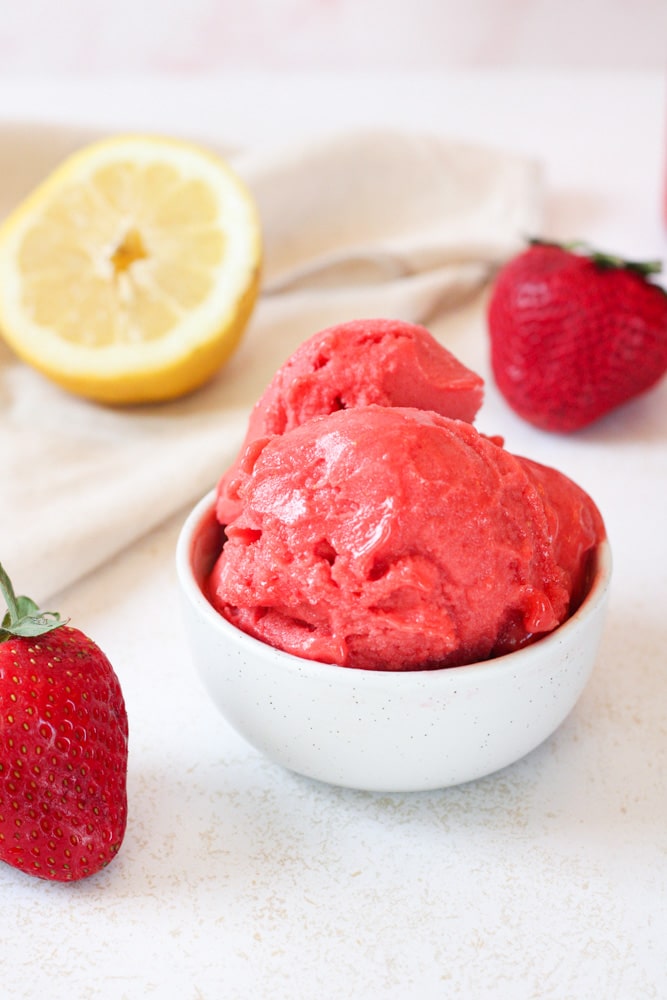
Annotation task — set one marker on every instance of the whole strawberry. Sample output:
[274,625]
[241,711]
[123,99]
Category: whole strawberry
[574,334]
[63,746]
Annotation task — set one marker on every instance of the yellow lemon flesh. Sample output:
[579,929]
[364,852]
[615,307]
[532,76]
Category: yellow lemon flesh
[130,274]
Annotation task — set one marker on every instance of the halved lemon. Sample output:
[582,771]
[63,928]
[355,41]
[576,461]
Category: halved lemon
[129,275]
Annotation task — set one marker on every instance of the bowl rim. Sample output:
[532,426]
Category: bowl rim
[517,660]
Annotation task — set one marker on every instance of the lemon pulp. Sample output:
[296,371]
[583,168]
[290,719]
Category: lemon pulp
[131,273]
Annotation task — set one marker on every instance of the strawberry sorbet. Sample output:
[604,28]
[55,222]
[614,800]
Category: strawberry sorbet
[398,539]
[393,537]
[379,361]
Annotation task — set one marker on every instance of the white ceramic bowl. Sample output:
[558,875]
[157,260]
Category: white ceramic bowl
[384,731]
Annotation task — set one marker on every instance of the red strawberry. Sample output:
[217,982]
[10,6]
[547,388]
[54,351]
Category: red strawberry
[575,334]
[63,746]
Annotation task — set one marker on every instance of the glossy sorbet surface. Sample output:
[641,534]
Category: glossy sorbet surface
[397,539]
[368,529]
[384,362]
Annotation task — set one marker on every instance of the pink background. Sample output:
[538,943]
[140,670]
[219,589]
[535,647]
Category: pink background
[41,37]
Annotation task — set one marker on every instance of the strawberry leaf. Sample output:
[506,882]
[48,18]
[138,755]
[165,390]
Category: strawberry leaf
[26,606]
[645,268]
[23,617]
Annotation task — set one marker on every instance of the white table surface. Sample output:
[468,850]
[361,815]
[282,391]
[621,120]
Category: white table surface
[238,879]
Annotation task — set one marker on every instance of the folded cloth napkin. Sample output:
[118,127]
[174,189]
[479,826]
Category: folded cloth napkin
[376,223]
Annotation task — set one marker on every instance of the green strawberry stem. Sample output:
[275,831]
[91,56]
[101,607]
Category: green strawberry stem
[23,617]
[645,268]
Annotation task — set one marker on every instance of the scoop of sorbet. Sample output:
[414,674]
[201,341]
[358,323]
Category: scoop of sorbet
[392,538]
[381,361]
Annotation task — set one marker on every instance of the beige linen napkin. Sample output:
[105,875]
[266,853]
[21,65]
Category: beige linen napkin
[364,224]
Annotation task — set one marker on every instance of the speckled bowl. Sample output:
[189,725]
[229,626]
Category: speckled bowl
[384,731]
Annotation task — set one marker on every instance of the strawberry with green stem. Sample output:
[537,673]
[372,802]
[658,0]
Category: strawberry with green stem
[63,746]
[575,333]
